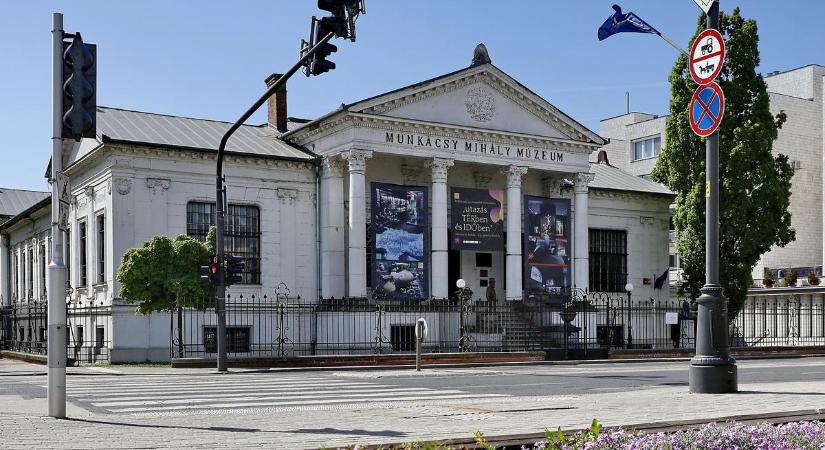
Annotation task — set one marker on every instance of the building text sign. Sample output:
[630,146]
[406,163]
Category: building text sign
[479,148]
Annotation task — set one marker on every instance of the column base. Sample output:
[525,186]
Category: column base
[721,379]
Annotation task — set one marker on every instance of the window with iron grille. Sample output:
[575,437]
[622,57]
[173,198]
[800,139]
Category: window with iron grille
[608,260]
[101,248]
[242,237]
[81,231]
[43,270]
[237,339]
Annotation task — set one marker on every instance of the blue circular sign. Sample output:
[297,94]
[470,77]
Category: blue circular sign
[707,106]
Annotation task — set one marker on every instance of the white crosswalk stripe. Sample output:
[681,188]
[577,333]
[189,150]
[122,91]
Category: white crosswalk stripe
[138,394]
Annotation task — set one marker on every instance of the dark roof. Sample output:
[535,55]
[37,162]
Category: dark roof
[615,179]
[43,203]
[15,201]
[136,127]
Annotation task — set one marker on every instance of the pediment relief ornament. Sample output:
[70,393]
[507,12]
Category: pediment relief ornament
[480,104]
[123,185]
[158,185]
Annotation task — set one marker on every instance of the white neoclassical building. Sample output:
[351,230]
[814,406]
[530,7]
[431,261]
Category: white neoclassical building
[469,175]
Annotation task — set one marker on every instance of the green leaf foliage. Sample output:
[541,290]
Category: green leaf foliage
[164,274]
[755,183]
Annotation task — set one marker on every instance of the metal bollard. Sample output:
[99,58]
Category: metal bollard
[420,335]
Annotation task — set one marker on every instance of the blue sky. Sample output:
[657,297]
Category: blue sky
[208,59]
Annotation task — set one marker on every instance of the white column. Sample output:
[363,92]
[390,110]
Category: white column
[5,279]
[333,261]
[581,248]
[440,283]
[514,221]
[357,251]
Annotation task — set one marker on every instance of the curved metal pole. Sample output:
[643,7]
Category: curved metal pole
[220,214]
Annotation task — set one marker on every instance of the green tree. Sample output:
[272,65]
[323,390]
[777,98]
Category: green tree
[754,183]
[164,273]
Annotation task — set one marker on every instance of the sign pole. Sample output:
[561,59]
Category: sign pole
[57,335]
[712,369]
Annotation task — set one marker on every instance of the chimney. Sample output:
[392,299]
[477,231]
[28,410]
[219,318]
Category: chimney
[276,105]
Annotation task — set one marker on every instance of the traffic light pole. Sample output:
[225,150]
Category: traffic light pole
[57,335]
[220,219]
[712,369]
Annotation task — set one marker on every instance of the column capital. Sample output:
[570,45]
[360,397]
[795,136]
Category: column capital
[439,167]
[514,174]
[4,240]
[333,166]
[581,181]
[357,160]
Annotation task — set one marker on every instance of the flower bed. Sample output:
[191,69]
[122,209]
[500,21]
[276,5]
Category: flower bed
[714,436]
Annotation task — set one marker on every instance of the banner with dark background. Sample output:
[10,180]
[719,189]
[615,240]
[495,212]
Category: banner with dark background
[399,227]
[477,219]
[547,246]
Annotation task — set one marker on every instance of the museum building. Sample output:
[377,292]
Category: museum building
[469,175]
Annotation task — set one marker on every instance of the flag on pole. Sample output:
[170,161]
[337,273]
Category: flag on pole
[624,23]
[660,282]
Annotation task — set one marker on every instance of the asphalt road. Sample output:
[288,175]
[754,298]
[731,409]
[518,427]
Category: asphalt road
[539,380]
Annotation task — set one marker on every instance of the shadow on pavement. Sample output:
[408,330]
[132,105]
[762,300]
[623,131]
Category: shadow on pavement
[782,393]
[146,425]
[349,432]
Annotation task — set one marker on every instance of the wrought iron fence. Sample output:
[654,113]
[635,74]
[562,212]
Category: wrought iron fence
[24,328]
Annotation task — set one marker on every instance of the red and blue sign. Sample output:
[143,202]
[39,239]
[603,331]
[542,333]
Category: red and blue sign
[707,106]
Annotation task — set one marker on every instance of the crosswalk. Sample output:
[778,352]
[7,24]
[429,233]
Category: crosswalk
[157,394]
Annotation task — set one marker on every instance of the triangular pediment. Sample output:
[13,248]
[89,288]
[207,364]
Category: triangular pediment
[480,97]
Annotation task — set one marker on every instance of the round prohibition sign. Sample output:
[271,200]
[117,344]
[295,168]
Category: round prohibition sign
[707,106]
[707,56]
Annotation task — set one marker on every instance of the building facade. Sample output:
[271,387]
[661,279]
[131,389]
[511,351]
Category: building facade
[395,198]
[636,139]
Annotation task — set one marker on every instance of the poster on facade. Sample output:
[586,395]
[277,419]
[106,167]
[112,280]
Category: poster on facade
[477,219]
[547,246]
[399,226]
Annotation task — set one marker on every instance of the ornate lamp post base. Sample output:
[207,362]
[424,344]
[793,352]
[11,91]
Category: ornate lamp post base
[712,370]
[717,379]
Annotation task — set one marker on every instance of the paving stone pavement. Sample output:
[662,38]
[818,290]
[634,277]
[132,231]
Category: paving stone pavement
[23,407]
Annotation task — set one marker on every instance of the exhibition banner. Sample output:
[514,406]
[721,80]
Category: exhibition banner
[547,246]
[477,219]
[399,227]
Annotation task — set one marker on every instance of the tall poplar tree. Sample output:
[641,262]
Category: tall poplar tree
[755,184]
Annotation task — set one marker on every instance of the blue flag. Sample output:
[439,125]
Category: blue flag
[624,23]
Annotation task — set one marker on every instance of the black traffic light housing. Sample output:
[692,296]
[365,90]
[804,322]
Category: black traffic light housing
[340,24]
[234,266]
[79,88]
[211,274]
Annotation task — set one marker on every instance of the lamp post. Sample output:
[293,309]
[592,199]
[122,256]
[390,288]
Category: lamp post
[629,289]
[462,312]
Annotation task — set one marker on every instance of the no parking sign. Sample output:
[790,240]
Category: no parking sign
[707,106]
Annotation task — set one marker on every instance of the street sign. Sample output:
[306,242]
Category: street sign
[705,4]
[707,106]
[63,216]
[707,55]
[64,193]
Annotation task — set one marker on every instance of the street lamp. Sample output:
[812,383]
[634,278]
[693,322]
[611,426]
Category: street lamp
[462,313]
[629,289]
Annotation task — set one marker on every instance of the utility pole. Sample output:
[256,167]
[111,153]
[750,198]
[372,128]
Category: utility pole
[712,369]
[56,345]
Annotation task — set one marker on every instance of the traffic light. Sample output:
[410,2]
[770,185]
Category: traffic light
[235,266]
[318,64]
[211,274]
[341,24]
[79,86]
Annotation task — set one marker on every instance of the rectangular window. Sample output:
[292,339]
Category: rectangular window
[100,336]
[608,260]
[30,273]
[243,233]
[101,248]
[43,270]
[647,148]
[237,339]
[81,231]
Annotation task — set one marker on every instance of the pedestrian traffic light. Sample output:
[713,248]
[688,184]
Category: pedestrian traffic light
[210,274]
[235,266]
[79,86]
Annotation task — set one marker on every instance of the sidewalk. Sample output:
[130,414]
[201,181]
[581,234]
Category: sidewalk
[22,423]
